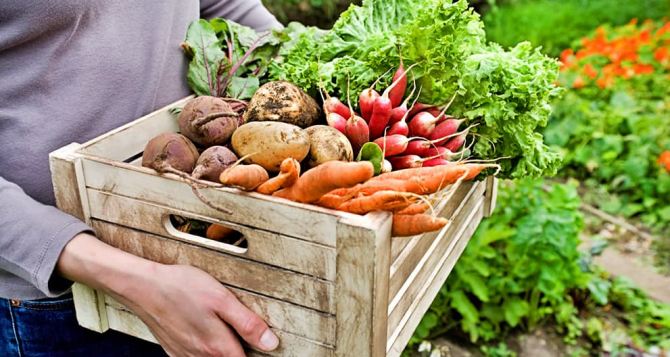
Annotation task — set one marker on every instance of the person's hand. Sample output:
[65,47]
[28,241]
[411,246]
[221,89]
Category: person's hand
[188,311]
[185,308]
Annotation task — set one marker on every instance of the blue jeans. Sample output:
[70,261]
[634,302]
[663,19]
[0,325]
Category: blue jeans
[48,328]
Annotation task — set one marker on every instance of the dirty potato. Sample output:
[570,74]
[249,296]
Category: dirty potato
[327,144]
[269,143]
[283,102]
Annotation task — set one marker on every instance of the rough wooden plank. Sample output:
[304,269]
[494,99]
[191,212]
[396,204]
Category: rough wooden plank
[130,139]
[491,195]
[297,288]
[418,307]
[406,262]
[278,314]
[263,246]
[309,223]
[64,180]
[361,309]
[427,265]
[289,345]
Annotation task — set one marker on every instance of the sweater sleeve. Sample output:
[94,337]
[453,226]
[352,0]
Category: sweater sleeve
[33,237]
[250,13]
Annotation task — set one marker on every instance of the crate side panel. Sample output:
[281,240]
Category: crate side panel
[297,288]
[263,246]
[249,209]
[405,263]
[399,338]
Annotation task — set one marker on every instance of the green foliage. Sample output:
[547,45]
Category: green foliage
[506,93]
[554,24]
[518,268]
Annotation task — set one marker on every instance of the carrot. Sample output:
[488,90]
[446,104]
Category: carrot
[217,231]
[327,177]
[372,186]
[414,208]
[332,201]
[379,201]
[245,177]
[289,171]
[405,225]
[435,178]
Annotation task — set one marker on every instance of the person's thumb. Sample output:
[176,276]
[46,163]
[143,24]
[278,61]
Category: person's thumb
[247,324]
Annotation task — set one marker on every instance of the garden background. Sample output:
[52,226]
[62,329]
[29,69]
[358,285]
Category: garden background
[577,264]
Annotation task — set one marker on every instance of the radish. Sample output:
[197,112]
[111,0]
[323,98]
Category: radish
[408,161]
[396,93]
[457,142]
[337,121]
[367,98]
[400,127]
[334,105]
[381,109]
[438,161]
[420,107]
[392,144]
[424,123]
[400,111]
[445,129]
[357,131]
[386,167]
[444,153]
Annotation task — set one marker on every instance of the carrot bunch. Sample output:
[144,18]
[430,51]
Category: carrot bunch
[351,187]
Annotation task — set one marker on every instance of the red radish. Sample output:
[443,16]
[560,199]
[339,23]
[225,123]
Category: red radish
[424,123]
[420,107]
[337,121]
[438,161]
[357,131]
[400,127]
[334,105]
[457,142]
[392,144]
[445,129]
[444,153]
[396,93]
[386,167]
[367,99]
[408,161]
[400,111]
[381,109]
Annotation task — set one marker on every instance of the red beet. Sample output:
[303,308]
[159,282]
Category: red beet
[212,162]
[169,152]
[208,121]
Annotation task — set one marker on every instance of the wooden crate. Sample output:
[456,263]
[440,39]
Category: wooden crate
[329,283]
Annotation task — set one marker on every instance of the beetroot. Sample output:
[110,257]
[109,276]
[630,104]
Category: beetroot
[169,152]
[212,162]
[208,121]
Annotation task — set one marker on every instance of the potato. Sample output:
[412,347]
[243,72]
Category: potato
[284,102]
[327,144]
[270,143]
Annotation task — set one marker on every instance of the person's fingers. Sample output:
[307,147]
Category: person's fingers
[224,343]
[247,324]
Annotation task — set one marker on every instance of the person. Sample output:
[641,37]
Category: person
[71,70]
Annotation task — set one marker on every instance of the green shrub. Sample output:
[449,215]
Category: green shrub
[555,24]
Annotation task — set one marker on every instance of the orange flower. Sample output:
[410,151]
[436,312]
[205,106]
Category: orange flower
[662,55]
[664,160]
[643,69]
[578,83]
[589,71]
[605,81]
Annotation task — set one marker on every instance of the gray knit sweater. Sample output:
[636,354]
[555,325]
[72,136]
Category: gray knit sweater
[71,70]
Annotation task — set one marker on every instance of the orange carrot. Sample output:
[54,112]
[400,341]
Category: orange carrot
[405,225]
[327,177]
[245,177]
[331,200]
[217,231]
[415,208]
[289,171]
[379,201]
[435,178]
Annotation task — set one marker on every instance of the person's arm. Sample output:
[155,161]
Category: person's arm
[183,306]
[250,13]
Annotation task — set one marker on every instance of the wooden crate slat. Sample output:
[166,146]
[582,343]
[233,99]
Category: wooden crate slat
[265,247]
[405,263]
[130,139]
[290,345]
[278,314]
[362,287]
[297,288]
[250,209]
[423,268]
[399,338]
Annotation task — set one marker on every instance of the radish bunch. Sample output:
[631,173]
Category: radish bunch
[414,136]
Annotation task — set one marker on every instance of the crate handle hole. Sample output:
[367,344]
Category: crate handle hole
[219,235]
